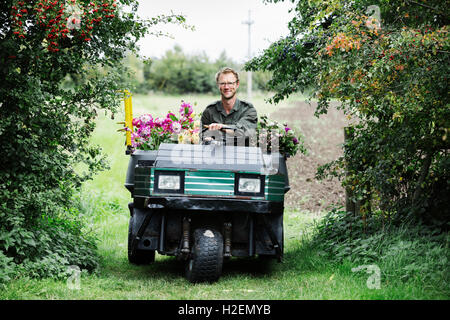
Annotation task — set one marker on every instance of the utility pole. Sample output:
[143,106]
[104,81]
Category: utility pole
[249,22]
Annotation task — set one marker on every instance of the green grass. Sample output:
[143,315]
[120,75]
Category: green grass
[304,274]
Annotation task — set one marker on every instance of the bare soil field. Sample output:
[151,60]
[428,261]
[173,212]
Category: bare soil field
[323,139]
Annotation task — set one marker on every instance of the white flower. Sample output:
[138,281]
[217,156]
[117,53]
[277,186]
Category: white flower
[176,127]
[145,118]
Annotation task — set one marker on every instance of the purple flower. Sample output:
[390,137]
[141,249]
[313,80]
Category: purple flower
[186,109]
[135,140]
[167,124]
[295,140]
[158,122]
[145,131]
[287,129]
[149,132]
[136,122]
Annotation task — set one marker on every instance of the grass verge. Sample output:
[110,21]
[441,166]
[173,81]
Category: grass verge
[306,272]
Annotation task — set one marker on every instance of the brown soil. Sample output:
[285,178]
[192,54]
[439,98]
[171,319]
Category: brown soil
[323,139]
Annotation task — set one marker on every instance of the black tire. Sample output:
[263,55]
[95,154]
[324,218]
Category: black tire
[136,256]
[206,260]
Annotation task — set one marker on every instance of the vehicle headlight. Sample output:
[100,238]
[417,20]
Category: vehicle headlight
[249,185]
[171,182]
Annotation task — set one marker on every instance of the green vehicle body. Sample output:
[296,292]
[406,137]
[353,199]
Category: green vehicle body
[247,224]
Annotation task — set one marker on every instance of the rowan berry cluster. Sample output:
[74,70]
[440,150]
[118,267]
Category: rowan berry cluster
[61,19]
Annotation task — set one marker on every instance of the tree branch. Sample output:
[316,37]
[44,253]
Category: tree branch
[426,6]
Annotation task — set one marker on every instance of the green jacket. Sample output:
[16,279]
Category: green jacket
[243,117]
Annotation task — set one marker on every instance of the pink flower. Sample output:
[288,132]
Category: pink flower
[135,140]
[186,109]
[157,122]
[145,131]
[171,115]
[136,122]
[150,132]
[167,124]
[184,123]
[146,120]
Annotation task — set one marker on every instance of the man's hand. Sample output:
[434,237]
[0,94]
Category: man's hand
[215,126]
[219,126]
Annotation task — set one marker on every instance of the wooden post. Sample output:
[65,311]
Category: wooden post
[350,206]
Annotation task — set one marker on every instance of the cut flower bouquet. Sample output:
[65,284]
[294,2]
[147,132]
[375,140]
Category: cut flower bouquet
[148,132]
[289,143]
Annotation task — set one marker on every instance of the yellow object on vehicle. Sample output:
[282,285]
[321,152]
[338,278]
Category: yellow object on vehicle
[128,115]
[128,123]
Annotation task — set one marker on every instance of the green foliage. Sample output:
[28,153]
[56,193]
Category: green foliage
[7,268]
[45,127]
[392,79]
[179,73]
[288,142]
[406,252]
[60,242]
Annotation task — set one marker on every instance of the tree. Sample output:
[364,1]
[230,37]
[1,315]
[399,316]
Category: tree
[45,127]
[390,73]
[177,72]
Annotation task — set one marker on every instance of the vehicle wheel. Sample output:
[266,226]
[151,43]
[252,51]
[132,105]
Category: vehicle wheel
[206,260]
[137,256]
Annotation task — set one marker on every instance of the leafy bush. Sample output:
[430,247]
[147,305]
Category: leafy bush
[179,73]
[49,245]
[403,252]
[45,126]
[7,268]
[391,76]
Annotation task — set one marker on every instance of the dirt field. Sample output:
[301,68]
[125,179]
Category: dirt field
[323,137]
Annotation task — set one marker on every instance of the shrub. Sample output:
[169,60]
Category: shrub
[45,127]
[390,75]
[403,252]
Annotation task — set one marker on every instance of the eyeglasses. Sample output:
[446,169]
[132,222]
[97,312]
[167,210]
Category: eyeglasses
[222,84]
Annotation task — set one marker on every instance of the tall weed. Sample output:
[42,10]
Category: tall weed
[404,252]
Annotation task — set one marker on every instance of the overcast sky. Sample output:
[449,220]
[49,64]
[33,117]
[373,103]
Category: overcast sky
[218,26]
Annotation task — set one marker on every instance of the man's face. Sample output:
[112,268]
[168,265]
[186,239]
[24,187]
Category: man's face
[228,85]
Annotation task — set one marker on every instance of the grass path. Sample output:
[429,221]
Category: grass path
[304,274]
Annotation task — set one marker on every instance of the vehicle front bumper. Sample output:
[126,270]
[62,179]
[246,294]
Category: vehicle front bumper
[209,204]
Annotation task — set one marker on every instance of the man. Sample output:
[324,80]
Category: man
[235,117]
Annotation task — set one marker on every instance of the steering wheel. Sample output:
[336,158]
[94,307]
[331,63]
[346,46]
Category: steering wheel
[214,140]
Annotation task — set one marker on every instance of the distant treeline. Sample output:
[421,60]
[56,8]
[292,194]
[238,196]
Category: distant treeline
[179,73]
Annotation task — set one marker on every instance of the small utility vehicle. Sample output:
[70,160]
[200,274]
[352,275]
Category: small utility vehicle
[203,203]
